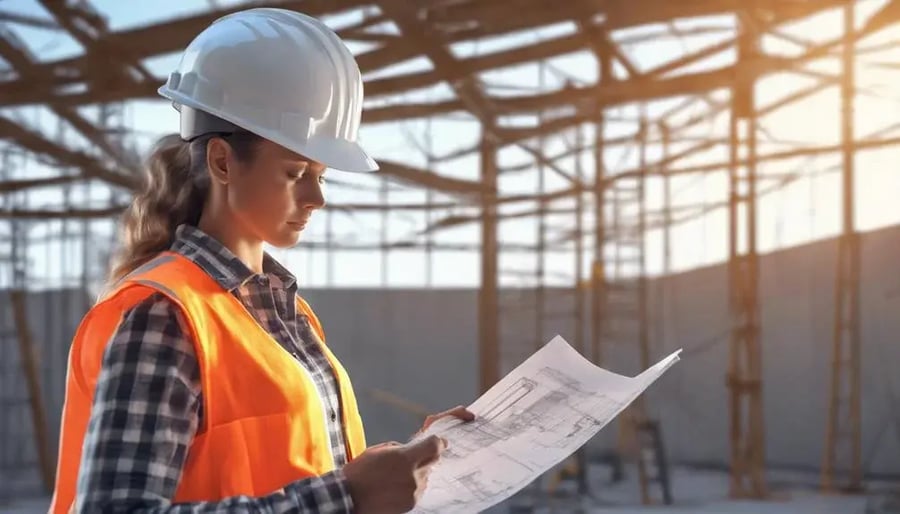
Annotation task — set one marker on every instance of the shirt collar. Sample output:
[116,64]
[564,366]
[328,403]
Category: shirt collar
[220,263]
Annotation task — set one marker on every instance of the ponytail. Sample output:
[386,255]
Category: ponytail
[173,193]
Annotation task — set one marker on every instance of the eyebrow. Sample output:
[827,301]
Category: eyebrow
[311,165]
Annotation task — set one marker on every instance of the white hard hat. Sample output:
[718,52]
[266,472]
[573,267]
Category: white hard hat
[279,74]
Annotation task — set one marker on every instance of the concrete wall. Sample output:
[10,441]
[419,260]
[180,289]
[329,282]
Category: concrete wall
[424,346]
[52,318]
[421,345]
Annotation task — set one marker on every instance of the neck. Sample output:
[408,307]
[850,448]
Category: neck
[249,250]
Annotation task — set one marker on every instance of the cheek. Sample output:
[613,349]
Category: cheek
[264,202]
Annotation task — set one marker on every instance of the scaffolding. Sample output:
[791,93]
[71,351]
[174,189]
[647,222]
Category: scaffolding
[94,165]
[843,440]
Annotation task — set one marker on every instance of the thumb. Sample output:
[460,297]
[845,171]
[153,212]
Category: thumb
[425,451]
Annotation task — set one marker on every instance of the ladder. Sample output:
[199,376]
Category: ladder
[652,463]
[626,321]
[561,309]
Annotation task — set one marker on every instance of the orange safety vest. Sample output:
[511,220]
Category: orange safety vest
[264,422]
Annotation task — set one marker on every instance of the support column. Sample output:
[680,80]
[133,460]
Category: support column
[599,327]
[641,235]
[667,203]
[579,318]
[843,436]
[744,377]
[488,304]
[579,247]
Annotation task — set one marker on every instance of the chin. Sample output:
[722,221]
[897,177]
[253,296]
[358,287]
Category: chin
[285,240]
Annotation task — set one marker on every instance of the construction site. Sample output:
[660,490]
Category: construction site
[636,176]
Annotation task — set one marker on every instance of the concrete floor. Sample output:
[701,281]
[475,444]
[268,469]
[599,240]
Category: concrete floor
[695,492]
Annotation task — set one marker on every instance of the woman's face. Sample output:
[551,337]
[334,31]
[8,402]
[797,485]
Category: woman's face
[275,193]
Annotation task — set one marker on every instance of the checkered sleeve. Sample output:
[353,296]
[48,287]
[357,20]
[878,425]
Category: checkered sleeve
[147,407]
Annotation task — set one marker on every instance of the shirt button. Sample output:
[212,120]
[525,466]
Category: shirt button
[333,415]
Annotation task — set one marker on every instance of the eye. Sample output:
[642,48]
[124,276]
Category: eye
[295,173]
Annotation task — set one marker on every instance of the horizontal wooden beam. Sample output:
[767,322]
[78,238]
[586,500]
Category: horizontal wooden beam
[428,180]
[47,214]
[40,144]
[11,186]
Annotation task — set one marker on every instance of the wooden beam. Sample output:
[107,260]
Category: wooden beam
[9,186]
[519,55]
[25,19]
[173,35]
[46,214]
[38,143]
[864,144]
[610,95]
[17,55]
[428,179]
[145,41]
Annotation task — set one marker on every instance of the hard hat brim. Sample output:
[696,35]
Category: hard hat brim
[335,154]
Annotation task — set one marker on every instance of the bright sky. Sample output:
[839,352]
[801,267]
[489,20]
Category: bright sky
[806,209]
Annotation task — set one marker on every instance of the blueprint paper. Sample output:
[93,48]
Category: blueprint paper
[532,419]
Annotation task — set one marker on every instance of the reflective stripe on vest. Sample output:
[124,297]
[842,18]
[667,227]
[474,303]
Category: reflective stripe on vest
[264,423]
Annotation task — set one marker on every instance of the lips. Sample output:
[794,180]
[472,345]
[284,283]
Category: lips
[297,224]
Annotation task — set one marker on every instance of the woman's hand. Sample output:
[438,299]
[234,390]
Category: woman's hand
[383,446]
[458,412]
[391,477]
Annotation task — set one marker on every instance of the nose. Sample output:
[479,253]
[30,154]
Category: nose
[312,196]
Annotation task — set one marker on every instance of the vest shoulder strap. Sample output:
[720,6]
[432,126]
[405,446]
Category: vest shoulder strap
[171,274]
[182,280]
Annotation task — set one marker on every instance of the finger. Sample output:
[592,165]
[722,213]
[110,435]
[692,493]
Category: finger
[420,489]
[426,450]
[458,412]
[423,472]
[424,468]
[384,446]
[461,413]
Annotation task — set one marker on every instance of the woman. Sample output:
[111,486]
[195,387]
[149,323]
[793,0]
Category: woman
[200,382]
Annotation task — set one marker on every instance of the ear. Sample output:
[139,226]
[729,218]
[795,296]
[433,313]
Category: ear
[218,156]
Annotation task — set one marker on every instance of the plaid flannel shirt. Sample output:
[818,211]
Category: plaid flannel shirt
[148,402]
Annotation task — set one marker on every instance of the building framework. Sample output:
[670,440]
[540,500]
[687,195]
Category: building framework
[71,115]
